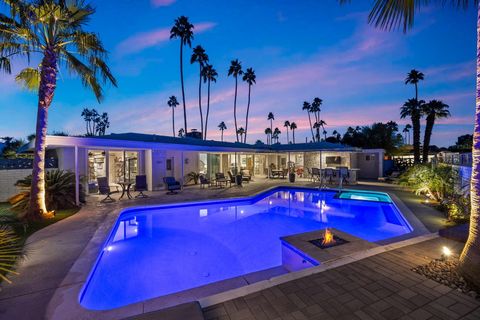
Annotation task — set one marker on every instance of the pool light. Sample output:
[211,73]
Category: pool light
[108,248]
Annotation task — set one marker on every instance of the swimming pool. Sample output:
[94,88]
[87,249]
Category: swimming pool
[157,251]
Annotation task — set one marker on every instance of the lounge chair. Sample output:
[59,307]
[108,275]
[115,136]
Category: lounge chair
[105,189]
[141,186]
[172,185]
[220,179]
[246,176]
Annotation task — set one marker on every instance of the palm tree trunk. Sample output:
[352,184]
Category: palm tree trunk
[248,110]
[271,130]
[48,83]
[222,135]
[287,136]
[430,121]
[235,108]
[200,99]
[470,257]
[173,120]
[293,135]
[208,109]
[183,89]
[416,91]
[416,138]
[311,128]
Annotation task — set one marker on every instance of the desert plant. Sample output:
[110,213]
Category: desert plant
[10,251]
[59,191]
[437,183]
[193,176]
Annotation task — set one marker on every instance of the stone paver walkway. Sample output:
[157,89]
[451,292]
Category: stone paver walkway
[379,287]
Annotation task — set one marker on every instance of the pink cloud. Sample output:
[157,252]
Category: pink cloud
[162,3]
[145,40]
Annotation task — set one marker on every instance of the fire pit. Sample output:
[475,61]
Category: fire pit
[329,240]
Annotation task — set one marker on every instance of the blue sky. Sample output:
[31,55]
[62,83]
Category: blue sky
[299,50]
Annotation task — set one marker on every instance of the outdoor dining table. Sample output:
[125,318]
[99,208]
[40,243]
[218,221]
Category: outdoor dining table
[278,173]
[352,173]
[126,185]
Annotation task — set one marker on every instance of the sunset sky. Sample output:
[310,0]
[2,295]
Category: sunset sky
[299,50]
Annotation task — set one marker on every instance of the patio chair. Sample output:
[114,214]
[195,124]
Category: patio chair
[105,189]
[316,174]
[141,186]
[246,175]
[343,174]
[220,179]
[204,181]
[329,174]
[172,185]
[232,178]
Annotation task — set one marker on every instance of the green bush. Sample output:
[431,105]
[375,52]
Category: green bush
[457,208]
[437,183]
[59,191]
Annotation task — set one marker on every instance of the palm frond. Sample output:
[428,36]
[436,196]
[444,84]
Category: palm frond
[10,251]
[5,65]
[29,79]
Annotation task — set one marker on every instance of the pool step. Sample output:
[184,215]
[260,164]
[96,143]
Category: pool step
[189,310]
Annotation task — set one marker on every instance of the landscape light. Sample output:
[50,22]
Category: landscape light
[446,251]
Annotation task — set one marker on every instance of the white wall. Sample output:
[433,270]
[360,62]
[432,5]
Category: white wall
[8,178]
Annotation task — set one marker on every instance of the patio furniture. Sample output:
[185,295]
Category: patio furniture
[246,175]
[204,181]
[329,175]
[232,178]
[220,179]
[277,173]
[141,186]
[172,185]
[126,185]
[343,174]
[316,174]
[105,189]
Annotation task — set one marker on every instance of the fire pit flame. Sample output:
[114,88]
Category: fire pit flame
[328,238]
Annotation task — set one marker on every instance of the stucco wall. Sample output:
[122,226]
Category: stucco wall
[8,179]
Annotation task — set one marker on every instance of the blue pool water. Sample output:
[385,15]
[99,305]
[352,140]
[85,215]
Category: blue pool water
[153,252]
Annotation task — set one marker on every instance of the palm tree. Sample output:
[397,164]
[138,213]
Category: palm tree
[268,132]
[307,107]
[181,133]
[241,132]
[209,75]
[235,70]
[222,126]
[56,35]
[391,14]
[286,124]
[293,126]
[271,117]
[183,30]
[249,77]
[414,77]
[276,134]
[201,57]
[408,126]
[315,109]
[405,132]
[434,109]
[413,109]
[173,103]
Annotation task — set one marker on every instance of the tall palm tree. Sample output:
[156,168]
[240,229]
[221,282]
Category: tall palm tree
[235,70]
[222,126]
[315,109]
[293,126]
[286,124]
[173,103]
[276,134]
[209,75]
[241,132]
[408,126]
[414,77]
[53,30]
[393,13]
[413,109]
[405,132]
[248,77]
[271,117]
[268,132]
[433,110]
[307,106]
[183,30]
[201,58]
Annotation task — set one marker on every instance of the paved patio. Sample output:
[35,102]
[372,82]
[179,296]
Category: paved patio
[379,287]
[53,251]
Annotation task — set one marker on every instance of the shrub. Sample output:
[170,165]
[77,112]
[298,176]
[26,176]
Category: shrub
[193,176]
[59,191]
[457,208]
[437,183]
[10,251]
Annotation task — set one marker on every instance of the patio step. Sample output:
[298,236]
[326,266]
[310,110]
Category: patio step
[189,310]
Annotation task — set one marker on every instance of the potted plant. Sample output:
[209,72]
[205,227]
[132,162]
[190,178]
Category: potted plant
[238,178]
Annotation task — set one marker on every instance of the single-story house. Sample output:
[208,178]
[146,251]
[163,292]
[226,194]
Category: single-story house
[121,157]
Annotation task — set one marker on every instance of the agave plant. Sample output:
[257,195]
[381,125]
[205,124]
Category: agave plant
[59,191]
[193,176]
[10,251]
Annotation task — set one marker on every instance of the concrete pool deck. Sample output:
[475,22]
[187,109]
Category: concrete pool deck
[52,270]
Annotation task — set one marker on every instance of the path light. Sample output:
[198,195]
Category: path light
[446,253]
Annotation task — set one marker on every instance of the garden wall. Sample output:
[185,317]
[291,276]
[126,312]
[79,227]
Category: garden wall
[8,178]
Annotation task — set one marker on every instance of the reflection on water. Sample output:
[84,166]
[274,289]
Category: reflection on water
[160,251]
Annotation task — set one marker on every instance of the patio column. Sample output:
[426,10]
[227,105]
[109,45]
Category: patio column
[77,178]
[183,169]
